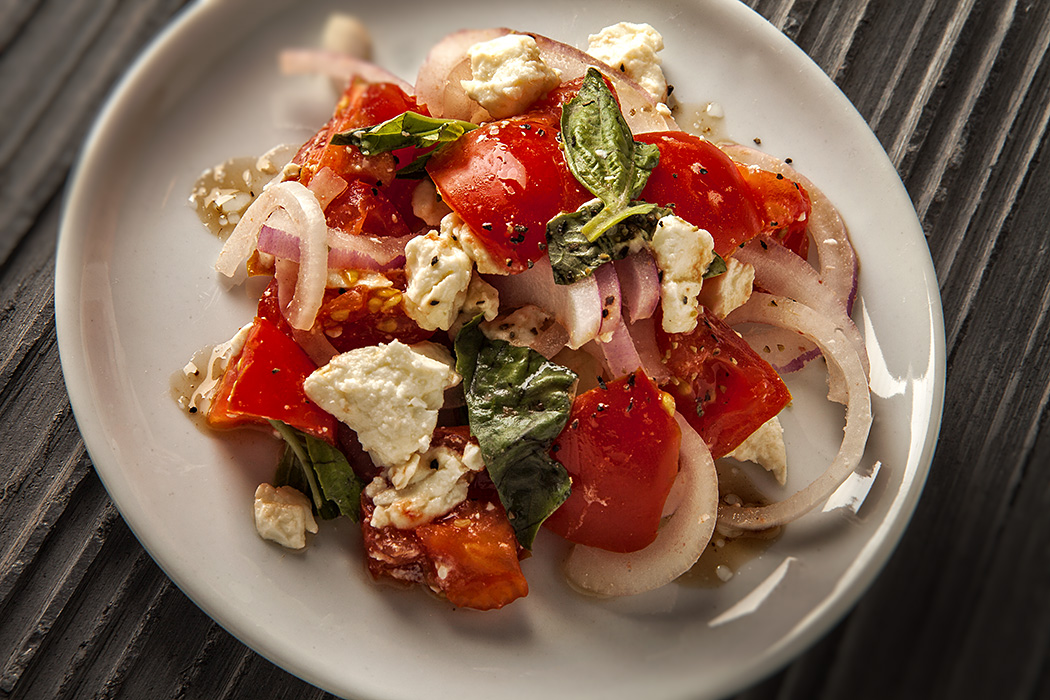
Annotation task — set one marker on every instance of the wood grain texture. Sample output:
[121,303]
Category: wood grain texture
[957,91]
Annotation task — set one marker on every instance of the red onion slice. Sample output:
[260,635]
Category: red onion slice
[782,273]
[643,334]
[835,254]
[679,543]
[575,306]
[618,353]
[839,351]
[638,106]
[307,224]
[437,84]
[326,186]
[609,296]
[348,252]
[639,284]
[340,66]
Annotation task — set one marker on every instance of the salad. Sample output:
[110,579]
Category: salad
[517,295]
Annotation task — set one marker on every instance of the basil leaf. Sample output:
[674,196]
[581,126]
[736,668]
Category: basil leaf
[406,129]
[602,154]
[319,470]
[517,403]
[716,268]
[574,256]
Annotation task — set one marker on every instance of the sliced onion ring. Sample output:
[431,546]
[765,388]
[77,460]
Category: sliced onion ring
[340,66]
[838,350]
[679,543]
[307,224]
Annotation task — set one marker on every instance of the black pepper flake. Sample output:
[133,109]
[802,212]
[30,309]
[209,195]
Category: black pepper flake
[609,300]
[758,141]
[699,409]
[521,228]
[379,183]
[555,447]
[541,132]
[764,245]
[510,263]
[787,160]
[434,302]
[602,384]
[631,379]
[630,404]
[433,464]
[670,89]
[434,260]
[600,407]
[674,176]
[275,370]
[193,409]
[780,176]
[605,313]
[575,423]
[526,127]
[487,227]
[703,171]
[623,68]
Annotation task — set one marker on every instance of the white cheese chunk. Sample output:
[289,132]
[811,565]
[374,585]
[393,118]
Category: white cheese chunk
[389,394]
[731,289]
[482,298]
[766,448]
[424,487]
[519,327]
[461,233]
[438,273]
[283,515]
[508,74]
[632,49]
[683,253]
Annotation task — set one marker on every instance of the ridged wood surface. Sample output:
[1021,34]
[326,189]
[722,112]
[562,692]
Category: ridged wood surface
[958,92]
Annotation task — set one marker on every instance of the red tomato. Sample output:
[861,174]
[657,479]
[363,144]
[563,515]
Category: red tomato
[621,449]
[703,186]
[784,207]
[507,179]
[364,209]
[355,317]
[551,103]
[265,382]
[470,555]
[364,104]
[726,390]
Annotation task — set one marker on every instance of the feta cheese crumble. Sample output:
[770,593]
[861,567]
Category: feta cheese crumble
[283,515]
[389,394]
[631,48]
[508,74]
[461,233]
[438,273]
[424,487]
[721,294]
[766,448]
[683,253]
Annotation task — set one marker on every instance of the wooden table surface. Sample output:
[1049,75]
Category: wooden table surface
[958,92]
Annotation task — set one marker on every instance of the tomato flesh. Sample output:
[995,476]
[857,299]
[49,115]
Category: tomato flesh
[265,382]
[621,449]
[784,206]
[703,186]
[725,389]
[506,180]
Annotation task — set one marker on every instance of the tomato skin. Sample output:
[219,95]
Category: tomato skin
[725,389]
[507,179]
[621,449]
[365,210]
[703,186]
[784,206]
[265,382]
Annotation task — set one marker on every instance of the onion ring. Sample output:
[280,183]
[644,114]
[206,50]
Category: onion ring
[679,543]
[838,350]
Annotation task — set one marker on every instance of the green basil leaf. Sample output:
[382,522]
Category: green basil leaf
[574,255]
[517,403]
[406,129]
[716,268]
[319,470]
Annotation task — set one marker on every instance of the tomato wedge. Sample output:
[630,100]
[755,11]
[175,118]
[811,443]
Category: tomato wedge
[784,206]
[621,449]
[265,382]
[703,186]
[507,179]
[724,389]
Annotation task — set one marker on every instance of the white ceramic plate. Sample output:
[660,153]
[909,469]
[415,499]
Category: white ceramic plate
[136,296]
